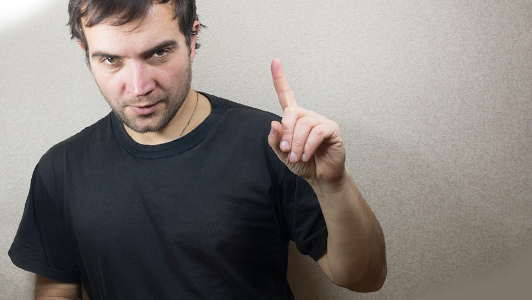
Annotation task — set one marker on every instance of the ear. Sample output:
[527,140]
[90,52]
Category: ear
[81,45]
[193,38]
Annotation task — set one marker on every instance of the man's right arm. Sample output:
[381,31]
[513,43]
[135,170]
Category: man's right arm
[48,289]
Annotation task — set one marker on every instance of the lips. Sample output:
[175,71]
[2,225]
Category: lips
[143,110]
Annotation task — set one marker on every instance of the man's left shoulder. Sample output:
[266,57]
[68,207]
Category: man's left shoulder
[248,112]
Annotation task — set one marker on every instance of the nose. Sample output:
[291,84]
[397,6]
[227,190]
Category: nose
[140,81]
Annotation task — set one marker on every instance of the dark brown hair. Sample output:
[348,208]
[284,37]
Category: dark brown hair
[123,12]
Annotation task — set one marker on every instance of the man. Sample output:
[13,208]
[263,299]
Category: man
[182,195]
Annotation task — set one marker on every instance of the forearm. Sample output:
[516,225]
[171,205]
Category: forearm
[48,289]
[356,256]
[311,146]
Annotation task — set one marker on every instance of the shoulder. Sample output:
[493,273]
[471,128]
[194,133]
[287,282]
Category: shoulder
[78,144]
[244,131]
[251,111]
[245,116]
[53,165]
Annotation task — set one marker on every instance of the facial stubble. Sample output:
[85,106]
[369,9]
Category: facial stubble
[173,102]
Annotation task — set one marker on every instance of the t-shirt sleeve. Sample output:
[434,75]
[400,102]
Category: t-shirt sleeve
[43,244]
[304,218]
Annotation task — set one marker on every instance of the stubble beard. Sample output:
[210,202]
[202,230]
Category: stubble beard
[160,120]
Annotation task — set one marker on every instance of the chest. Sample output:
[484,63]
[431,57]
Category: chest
[178,205]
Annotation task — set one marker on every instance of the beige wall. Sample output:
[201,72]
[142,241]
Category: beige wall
[434,98]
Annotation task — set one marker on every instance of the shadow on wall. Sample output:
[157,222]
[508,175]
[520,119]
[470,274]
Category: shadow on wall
[46,88]
[306,278]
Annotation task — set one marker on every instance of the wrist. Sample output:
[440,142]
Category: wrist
[339,184]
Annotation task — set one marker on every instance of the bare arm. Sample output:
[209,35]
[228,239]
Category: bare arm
[311,146]
[355,257]
[48,289]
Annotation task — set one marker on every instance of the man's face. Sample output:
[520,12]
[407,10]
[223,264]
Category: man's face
[142,69]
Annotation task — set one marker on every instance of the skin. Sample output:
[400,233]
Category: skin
[143,71]
[48,289]
[311,146]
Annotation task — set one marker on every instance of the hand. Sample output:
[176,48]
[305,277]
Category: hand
[309,144]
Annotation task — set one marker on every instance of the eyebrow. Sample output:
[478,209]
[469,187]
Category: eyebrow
[165,44]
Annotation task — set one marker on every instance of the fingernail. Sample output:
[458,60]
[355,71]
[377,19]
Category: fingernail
[284,146]
[304,157]
[293,157]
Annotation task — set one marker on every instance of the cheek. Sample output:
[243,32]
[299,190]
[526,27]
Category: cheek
[109,85]
[169,77]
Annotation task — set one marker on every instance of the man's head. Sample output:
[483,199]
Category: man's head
[87,13]
[140,55]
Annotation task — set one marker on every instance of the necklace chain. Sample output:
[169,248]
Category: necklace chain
[191,116]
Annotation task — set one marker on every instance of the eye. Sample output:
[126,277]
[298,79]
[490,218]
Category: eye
[159,53]
[111,61]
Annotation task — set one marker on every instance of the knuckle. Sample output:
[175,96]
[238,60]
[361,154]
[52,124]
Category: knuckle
[283,92]
[297,144]
[290,110]
[309,146]
[331,123]
[287,134]
[318,131]
[304,122]
[287,131]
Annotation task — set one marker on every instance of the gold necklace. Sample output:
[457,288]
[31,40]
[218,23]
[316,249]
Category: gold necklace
[191,116]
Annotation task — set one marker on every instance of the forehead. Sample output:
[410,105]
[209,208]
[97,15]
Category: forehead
[159,23]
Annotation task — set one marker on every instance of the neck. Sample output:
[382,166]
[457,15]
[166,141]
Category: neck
[184,121]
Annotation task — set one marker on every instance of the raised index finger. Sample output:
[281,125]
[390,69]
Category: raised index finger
[283,89]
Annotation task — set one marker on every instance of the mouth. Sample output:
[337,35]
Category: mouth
[144,109]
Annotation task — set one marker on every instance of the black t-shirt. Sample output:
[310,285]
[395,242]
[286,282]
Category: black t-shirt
[207,216]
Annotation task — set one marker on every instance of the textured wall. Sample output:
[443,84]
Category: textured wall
[434,98]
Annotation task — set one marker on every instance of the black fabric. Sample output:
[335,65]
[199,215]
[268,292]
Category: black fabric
[207,216]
